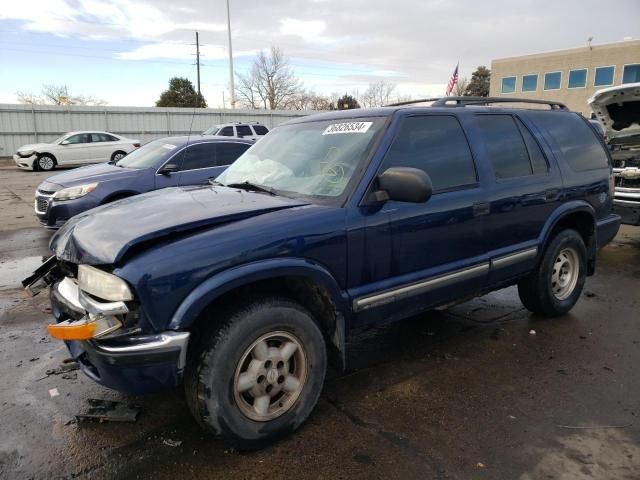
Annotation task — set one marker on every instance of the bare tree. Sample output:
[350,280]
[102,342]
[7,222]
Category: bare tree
[461,86]
[56,94]
[377,94]
[309,100]
[270,84]
[29,98]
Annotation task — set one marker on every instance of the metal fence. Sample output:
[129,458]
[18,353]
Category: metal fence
[25,124]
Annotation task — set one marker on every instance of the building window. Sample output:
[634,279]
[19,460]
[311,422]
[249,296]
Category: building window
[508,85]
[578,78]
[552,80]
[631,73]
[603,76]
[529,83]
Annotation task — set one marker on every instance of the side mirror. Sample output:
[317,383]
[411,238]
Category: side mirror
[168,169]
[403,184]
[64,142]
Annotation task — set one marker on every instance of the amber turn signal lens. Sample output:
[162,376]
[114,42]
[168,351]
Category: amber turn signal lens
[72,331]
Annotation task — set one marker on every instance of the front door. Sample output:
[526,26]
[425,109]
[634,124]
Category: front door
[413,255]
[77,150]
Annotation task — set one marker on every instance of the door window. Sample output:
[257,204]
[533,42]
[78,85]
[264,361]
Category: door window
[226,132]
[201,155]
[227,153]
[79,138]
[244,131]
[437,145]
[504,145]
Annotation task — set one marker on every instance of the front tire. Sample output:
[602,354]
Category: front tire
[258,375]
[45,162]
[555,286]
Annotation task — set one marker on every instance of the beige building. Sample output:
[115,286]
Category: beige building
[568,76]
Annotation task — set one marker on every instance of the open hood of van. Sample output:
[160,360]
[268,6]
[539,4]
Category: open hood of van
[618,110]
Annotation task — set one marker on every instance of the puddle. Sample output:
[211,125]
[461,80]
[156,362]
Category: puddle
[12,272]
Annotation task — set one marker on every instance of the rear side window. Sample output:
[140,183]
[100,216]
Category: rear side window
[227,153]
[244,131]
[260,129]
[504,145]
[536,157]
[577,141]
[201,155]
[437,145]
[226,131]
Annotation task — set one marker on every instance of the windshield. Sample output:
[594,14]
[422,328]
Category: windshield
[311,159]
[59,139]
[150,155]
[211,131]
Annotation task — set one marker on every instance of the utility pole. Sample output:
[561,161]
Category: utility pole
[198,62]
[233,95]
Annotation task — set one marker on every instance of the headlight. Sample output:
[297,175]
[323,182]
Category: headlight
[72,193]
[102,284]
[25,153]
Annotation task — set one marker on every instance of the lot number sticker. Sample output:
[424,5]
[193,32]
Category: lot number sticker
[349,127]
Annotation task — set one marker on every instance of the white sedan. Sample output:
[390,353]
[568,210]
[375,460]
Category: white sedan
[75,148]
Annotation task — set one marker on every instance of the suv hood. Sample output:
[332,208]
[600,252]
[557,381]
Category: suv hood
[105,234]
[92,173]
[618,110]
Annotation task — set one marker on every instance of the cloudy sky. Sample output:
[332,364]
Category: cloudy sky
[126,51]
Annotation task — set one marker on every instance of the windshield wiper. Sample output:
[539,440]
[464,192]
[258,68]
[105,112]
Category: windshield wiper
[246,185]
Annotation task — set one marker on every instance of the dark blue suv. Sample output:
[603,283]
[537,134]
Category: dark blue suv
[242,290]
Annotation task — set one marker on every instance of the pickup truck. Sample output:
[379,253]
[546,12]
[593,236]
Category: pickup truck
[244,290]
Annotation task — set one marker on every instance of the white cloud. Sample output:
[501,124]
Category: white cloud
[307,29]
[175,50]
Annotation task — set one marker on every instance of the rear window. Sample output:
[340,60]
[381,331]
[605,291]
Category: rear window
[260,129]
[576,140]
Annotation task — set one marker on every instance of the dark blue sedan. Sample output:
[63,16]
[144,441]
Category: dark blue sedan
[167,162]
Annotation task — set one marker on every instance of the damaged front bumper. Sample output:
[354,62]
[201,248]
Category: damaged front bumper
[626,202]
[125,360]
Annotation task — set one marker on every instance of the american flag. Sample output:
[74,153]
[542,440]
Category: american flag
[452,81]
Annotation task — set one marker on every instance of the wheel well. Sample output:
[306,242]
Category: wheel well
[584,224]
[300,289]
[116,196]
[40,154]
[116,152]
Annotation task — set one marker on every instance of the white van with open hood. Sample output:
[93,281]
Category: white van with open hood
[618,110]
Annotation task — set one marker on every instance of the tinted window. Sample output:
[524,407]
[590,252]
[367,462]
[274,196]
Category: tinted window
[244,131]
[437,145]
[102,137]
[538,161]
[552,80]
[631,74]
[260,129]
[603,76]
[110,138]
[201,155]
[226,131]
[80,138]
[578,78]
[227,153]
[577,141]
[504,145]
[529,83]
[508,85]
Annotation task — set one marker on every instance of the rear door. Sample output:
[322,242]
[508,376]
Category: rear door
[414,255]
[199,164]
[524,191]
[102,147]
[226,154]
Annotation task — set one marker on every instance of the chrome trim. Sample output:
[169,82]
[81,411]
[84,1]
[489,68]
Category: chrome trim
[82,303]
[158,343]
[94,307]
[392,295]
[629,203]
[512,258]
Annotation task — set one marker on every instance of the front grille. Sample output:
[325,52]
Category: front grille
[42,204]
[627,182]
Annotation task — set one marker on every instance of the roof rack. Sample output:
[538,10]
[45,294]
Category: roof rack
[464,101]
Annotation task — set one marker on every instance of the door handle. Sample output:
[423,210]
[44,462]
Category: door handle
[481,208]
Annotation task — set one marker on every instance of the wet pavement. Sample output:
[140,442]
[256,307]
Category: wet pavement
[484,390]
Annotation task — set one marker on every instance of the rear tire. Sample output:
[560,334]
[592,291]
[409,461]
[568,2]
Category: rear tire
[117,156]
[256,376]
[555,286]
[45,162]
